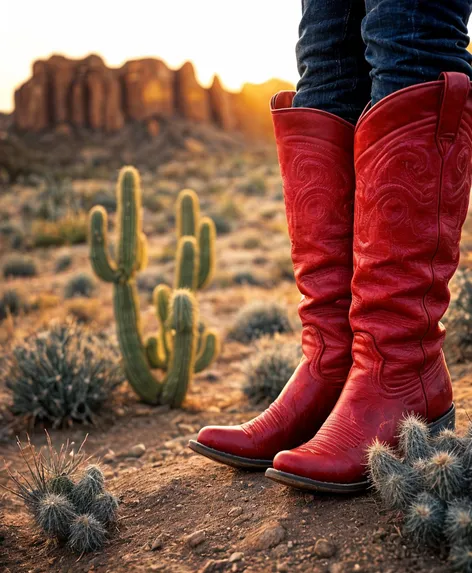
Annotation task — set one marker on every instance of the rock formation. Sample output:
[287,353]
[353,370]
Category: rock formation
[64,93]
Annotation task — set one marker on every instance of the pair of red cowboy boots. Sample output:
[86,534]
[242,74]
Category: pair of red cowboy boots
[374,215]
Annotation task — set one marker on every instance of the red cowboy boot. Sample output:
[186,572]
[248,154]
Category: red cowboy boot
[315,152]
[413,175]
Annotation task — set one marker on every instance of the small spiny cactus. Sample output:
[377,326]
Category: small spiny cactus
[398,483]
[85,490]
[86,534]
[413,439]
[78,513]
[448,441]
[461,558]
[444,475]
[424,519]
[431,484]
[458,522]
[61,485]
[104,508]
[55,515]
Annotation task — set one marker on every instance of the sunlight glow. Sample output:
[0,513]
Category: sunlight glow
[244,41]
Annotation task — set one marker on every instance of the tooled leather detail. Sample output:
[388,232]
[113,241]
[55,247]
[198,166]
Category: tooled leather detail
[337,435]
[402,194]
[273,417]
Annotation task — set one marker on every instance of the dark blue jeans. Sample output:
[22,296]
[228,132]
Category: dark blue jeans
[353,51]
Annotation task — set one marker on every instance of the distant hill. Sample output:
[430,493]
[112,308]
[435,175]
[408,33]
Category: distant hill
[71,95]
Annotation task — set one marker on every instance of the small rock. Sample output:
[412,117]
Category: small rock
[267,536]
[179,442]
[237,556]
[135,452]
[196,538]
[324,548]
[214,566]
[241,519]
[157,543]
[109,457]
[187,428]
[194,146]
[235,511]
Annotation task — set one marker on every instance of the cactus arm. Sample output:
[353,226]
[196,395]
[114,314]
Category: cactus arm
[207,248]
[153,353]
[125,301]
[129,220]
[102,264]
[188,213]
[161,299]
[187,262]
[184,320]
[209,350]
[142,259]
[166,345]
[201,333]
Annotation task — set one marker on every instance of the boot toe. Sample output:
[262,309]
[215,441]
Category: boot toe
[319,468]
[227,439]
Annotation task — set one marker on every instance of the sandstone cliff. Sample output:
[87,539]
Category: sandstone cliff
[67,94]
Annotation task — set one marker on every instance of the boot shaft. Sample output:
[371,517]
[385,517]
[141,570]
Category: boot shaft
[413,175]
[315,151]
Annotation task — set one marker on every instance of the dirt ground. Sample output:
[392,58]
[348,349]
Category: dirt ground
[181,513]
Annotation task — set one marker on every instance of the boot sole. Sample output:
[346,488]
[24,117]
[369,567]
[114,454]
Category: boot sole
[229,459]
[446,421]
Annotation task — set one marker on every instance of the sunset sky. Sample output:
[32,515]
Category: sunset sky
[243,40]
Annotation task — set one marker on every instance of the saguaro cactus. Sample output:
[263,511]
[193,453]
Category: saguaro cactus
[183,345]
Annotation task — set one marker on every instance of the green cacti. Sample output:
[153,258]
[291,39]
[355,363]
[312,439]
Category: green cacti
[181,346]
[209,347]
[434,492]
[204,232]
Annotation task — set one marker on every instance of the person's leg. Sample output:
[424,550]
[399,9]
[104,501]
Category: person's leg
[334,75]
[413,41]
[413,170]
[315,150]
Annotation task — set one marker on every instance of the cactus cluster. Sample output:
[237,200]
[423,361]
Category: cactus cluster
[429,479]
[61,375]
[183,344]
[78,513]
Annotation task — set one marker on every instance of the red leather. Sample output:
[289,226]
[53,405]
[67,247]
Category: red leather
[413,175]
[316,159]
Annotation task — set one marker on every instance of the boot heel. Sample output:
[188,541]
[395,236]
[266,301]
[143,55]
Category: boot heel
[446,422]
